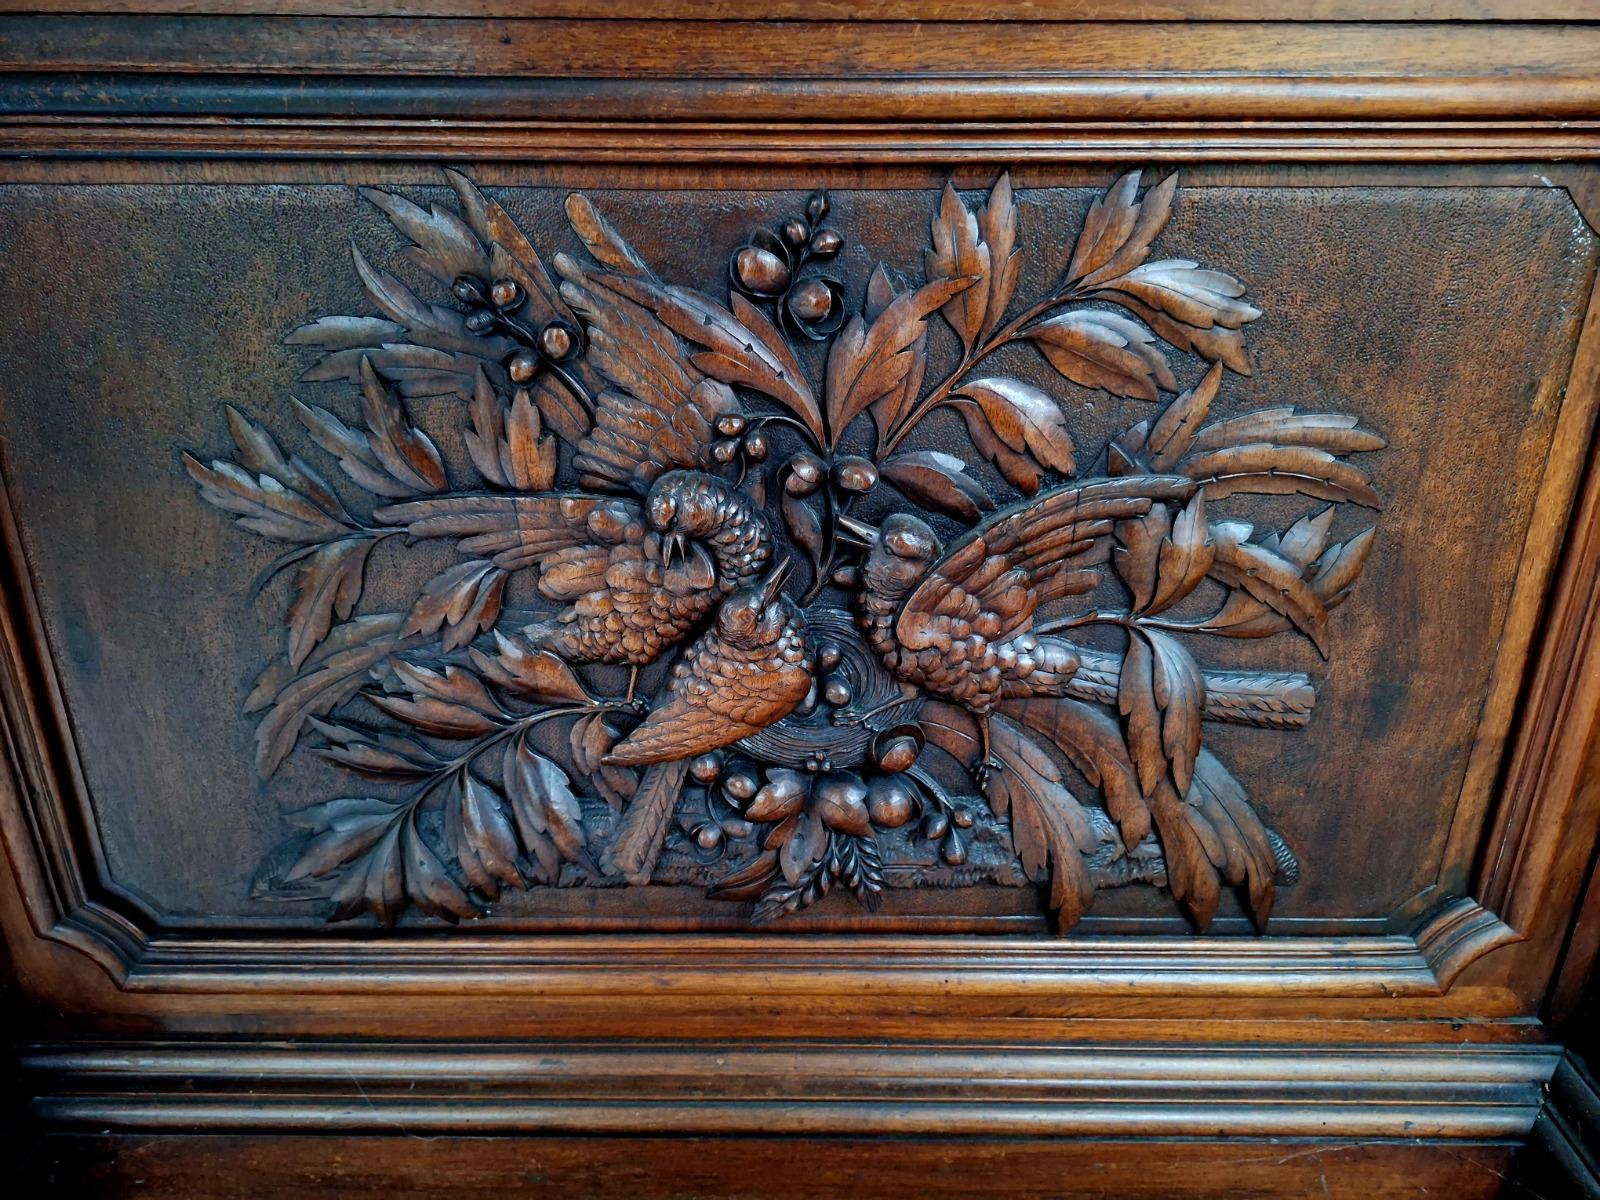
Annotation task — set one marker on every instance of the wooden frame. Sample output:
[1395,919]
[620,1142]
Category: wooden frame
[1466,963]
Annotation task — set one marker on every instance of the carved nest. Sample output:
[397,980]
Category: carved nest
[821,735]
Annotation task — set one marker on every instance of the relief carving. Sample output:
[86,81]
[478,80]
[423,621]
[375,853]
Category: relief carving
[673,646]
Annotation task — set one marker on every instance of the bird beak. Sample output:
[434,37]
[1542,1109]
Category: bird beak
[857,532]
[776,580]
[673,544]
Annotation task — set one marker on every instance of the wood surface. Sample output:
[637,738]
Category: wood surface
[1409,194]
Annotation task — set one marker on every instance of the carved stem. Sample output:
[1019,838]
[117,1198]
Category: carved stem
[1006,334]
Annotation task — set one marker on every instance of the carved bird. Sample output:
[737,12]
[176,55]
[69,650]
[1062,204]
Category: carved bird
[956,621]
[634,578]
[752,668]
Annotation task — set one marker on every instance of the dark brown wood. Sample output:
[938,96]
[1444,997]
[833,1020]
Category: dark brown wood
[1123,342]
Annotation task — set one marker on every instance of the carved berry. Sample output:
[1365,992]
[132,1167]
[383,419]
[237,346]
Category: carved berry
[740,784]
[558,341]
[756,446]
[825,243]
[796,232]
[479,321]
[505,293]
[707,768]
[524,365]
[731,424]
[854,474]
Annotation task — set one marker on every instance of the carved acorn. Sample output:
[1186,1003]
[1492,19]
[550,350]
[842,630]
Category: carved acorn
[890,801]
[760,272]
[815,307]
[841,800]
[803,473]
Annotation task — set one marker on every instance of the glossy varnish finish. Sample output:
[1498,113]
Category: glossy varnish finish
[1412,220]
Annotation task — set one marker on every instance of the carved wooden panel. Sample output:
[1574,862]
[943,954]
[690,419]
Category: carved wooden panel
[990,556]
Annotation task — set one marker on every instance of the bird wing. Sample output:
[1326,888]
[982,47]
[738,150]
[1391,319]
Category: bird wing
[992,578]
[660,411]
[699,714]
[520,531]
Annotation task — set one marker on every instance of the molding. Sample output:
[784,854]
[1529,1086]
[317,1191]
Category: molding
[877,70]
[1563,1150]
[470,136]
[841,1088]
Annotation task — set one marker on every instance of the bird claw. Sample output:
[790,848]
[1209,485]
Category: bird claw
[984,771]
[846,718]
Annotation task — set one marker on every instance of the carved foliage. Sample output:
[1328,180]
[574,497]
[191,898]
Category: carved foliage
[671,707]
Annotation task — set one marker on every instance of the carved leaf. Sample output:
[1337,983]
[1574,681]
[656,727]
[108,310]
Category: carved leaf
[1050,831]
[377,754]
[544,806]
[1019,470]
[465,599]
[1026,419]
[1185,556]
[427,885]
[1335,433]
[1189,293]
[998,223]
[959,252]
[404,450]
[533,674]
[330,676]
[1160,696]
[258,452]
[1119,229]
[1217,344]
[327,585]
[892,408]
[443,245]
[1103,350]
[1271,579]
[262,504]
[604,243]
[1279,470]
[1330,579]
[372,882]
[1138,552]
[867,361]
[342,830]
[504,441]
[480,838]
[1171,437]
[735,351]
[1093,742]
[451,704]
[590,740]
[938,480]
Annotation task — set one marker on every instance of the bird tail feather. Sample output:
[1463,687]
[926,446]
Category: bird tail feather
[633,852]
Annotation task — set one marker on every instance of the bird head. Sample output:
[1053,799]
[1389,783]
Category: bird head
[899,552]
[756,616]
[683,505]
